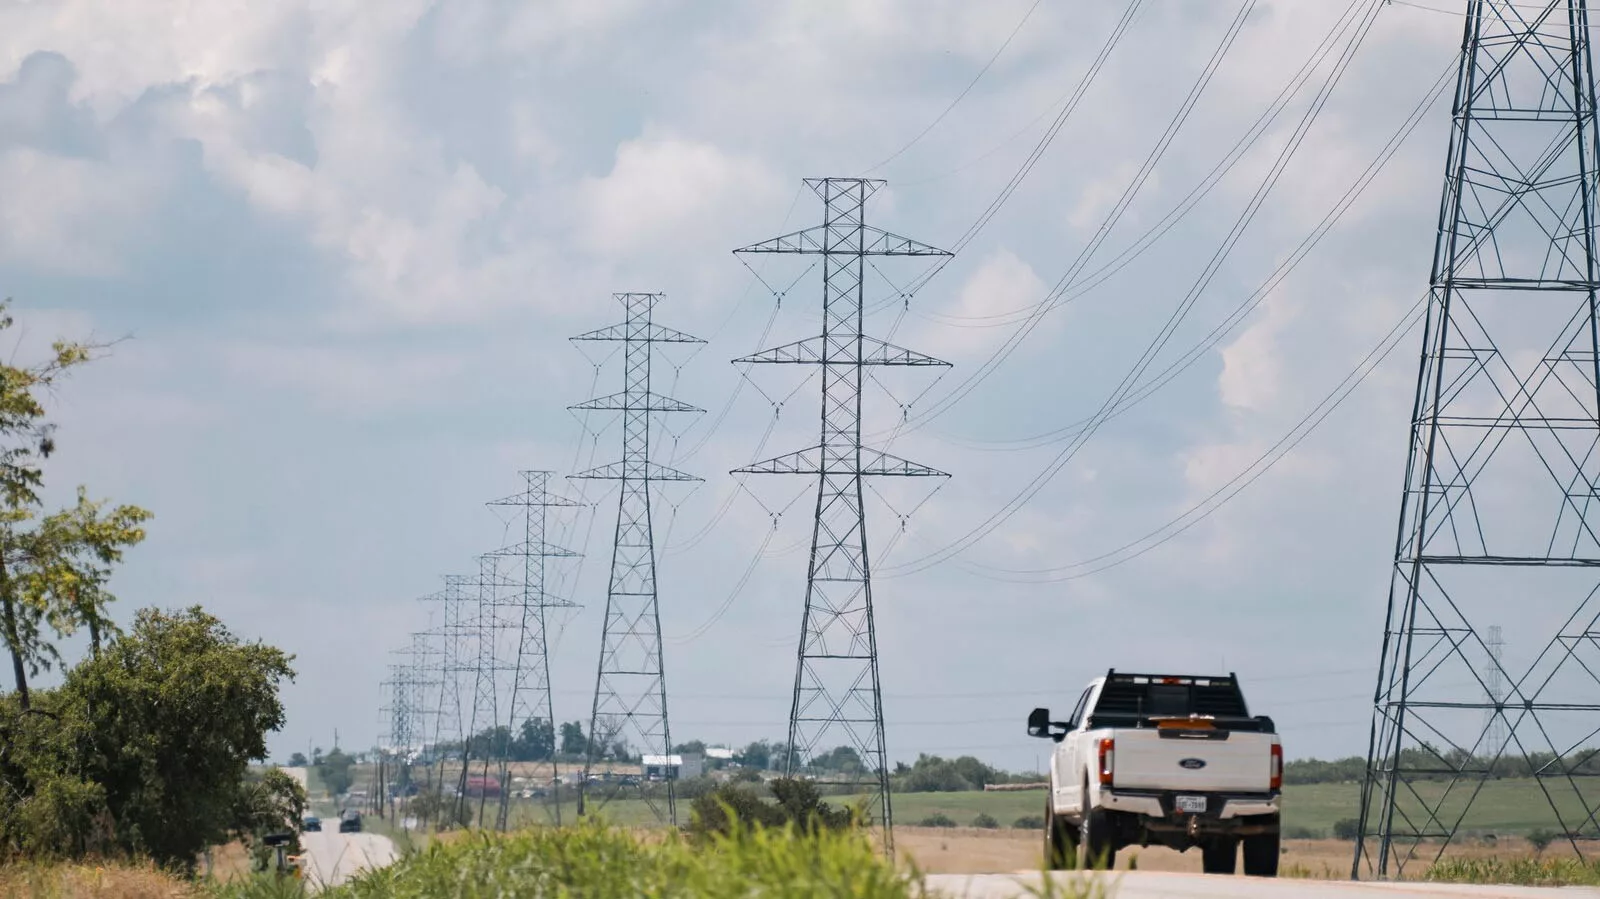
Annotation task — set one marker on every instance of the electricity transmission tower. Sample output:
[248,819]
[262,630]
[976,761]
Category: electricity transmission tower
[454,634]
[630,696]
[1494,724]
[532,697]
[1499,505]
[836,689]
[407,689]
[488,625]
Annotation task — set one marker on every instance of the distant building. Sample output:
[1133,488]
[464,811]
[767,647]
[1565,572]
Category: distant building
[719,755]
[672,767]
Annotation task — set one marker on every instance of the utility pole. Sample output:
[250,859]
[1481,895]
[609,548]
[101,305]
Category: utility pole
[837,695]
[1502,470]
[630,695]
[532,697]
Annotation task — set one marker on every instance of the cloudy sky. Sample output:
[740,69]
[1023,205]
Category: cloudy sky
[348,241]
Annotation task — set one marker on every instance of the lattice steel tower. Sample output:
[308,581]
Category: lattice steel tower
[1499,508]
[630,696]
[836,690]
[532,696]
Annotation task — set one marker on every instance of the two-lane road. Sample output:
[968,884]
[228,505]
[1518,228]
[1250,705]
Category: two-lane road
[1163,885]
[331,857]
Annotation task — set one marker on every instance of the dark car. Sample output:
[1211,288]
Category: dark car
[312,824]
[350,822]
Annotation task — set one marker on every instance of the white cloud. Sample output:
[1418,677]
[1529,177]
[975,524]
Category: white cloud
[665,190]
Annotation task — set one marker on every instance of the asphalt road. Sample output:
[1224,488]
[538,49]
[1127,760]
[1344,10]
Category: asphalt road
[1162,885]
[331,857]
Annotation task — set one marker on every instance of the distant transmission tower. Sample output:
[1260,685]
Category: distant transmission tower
[1494,718]
[1501,481]
[488,626]
[836,689]
[630,697]
[532,697]
[448,718]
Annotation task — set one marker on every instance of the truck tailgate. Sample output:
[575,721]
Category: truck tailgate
[1146,759]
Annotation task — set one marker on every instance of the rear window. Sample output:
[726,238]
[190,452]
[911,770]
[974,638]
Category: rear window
[1140,695]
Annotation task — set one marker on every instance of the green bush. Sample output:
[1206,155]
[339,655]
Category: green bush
[985,821]
[797,804]
[1541,838]
[938,819]
[1346,829]
[596,862]
[1301,832]
[1029,822]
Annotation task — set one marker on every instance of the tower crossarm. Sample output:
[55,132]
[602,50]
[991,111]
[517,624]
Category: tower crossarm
[825,351]
[822,240]
[627,402]
[820,460]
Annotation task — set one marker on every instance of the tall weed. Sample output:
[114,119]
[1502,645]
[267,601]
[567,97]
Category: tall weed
[1525,871]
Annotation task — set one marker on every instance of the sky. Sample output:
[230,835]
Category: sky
[342,245]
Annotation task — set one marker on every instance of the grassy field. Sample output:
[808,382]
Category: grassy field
[1506,807]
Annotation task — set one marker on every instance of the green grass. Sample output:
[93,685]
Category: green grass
[1504,806]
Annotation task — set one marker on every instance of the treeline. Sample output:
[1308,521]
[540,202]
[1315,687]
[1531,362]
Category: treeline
[1442,765]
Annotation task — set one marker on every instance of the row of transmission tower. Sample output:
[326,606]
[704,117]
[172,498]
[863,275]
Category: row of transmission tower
[485,664]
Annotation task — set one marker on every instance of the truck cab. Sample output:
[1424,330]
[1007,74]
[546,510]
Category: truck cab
[1168,760]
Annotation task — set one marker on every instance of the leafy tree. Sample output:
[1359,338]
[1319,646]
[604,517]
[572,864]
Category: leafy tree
[298,760]
[757,755]
[53,567]
[573,741]
[145,749]
[535,742]
[267,803]
[841,758]
[697,747]
[334,769]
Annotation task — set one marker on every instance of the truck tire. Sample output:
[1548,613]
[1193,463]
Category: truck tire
[1219,857]
[1096,847]
[1261,855]
[1060,841]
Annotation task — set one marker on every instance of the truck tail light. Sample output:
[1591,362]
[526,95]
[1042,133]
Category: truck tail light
[1108,761]
[1277,766]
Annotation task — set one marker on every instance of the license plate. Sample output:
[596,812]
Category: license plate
[1192,804]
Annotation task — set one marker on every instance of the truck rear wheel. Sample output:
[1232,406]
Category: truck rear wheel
[1261,855]
[1060,841]
[1220,856]
[1095,846]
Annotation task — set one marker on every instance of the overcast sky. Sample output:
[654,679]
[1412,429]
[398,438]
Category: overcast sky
[349,239]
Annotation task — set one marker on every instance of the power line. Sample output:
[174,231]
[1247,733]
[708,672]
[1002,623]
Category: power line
[959,97]
[1163,335]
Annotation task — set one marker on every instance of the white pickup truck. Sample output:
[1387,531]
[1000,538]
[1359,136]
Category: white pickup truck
[1167,760]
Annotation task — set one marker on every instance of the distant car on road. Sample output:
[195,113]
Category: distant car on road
[311,824]
[350,822]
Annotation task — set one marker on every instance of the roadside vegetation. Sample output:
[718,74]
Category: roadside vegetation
[142,751]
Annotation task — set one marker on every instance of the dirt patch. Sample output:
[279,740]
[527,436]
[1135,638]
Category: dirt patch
[964,850]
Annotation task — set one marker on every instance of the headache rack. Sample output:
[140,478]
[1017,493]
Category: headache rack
[1171,701]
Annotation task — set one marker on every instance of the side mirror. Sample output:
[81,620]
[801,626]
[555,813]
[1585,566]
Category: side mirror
[1039,723]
